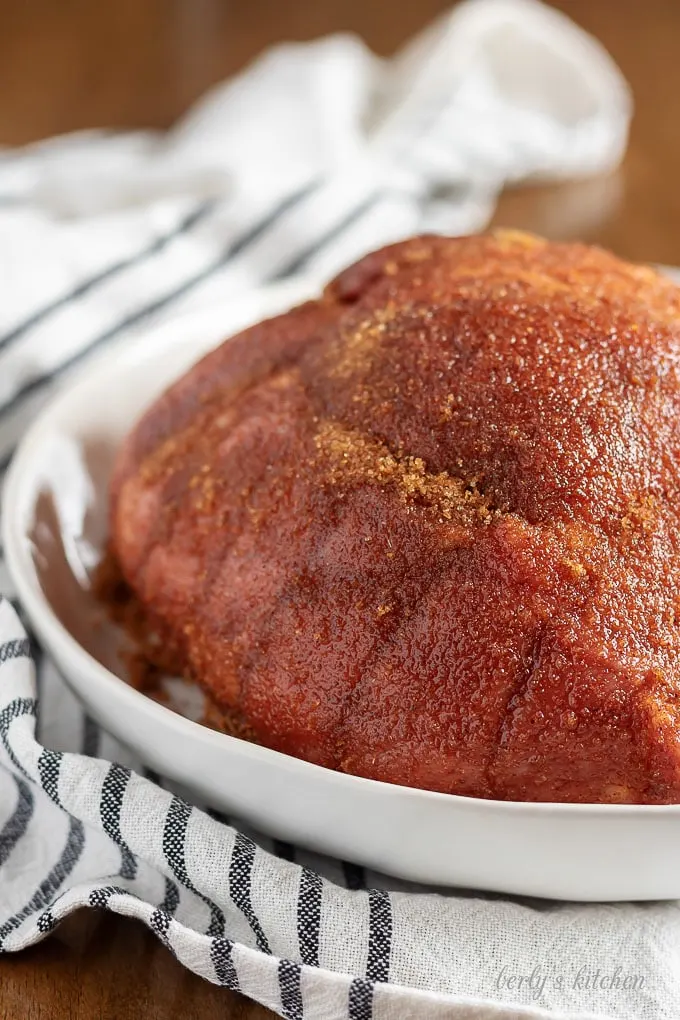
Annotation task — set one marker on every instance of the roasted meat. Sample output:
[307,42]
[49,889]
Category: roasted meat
[426,528]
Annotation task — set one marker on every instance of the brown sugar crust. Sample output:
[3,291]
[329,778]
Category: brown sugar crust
[425,529]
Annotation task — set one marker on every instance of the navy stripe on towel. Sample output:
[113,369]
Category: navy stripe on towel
[18,649]
[174,837]
[43,379]
[163,914]
[379,935]
[49,768]
[110,807]
[289,987]
[17,823]
[138,258]
[15,710]
[48,888]
[309,916]
[360,1005]
[221,955]
[240,877]
[91,732]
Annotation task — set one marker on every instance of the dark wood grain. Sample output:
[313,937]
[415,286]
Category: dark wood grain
[100,967]
[75,64]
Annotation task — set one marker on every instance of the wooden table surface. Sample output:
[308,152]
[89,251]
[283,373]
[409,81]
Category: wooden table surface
[74,64]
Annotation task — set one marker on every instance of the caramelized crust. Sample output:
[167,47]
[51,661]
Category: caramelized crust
[425,529]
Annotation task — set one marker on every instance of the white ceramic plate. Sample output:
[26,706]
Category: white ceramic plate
[53,519]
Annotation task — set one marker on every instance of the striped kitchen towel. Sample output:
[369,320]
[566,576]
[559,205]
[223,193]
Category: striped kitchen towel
[313,156]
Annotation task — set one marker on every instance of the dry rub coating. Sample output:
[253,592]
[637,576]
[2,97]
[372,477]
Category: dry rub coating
[425,529]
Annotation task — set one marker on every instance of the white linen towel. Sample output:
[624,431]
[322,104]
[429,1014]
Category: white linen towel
[313,156]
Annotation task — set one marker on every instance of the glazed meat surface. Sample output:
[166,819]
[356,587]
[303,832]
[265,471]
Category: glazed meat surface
[425,529]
